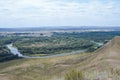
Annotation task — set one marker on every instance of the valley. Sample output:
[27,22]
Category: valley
[59,39]
[57,56]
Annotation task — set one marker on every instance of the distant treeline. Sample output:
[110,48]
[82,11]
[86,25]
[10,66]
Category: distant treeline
[95,36]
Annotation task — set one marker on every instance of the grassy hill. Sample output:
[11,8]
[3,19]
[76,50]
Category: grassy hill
[103,64]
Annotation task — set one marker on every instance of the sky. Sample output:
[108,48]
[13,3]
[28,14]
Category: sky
[40,13]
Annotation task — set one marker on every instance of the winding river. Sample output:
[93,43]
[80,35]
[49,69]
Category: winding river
[15,51]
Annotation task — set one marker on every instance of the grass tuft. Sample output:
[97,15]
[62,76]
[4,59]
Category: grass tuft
[74,75]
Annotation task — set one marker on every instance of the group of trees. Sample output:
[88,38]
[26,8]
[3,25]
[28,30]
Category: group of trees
[5,54]
[54,45]
[97,36]
[62,42]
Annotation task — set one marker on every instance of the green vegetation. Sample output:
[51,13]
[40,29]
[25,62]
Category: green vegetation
[62,42]
[5,54]
[95,36]
[51,45]
[57,43]
[74,75]
[103,64]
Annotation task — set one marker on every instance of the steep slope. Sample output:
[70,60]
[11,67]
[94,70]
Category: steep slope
[109,53]
[105,63]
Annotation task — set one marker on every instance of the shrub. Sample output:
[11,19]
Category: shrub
[74,75]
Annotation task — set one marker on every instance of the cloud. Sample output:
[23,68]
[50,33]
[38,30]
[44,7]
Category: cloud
[46,11]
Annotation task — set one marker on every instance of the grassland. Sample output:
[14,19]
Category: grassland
[103,64]
[39,69]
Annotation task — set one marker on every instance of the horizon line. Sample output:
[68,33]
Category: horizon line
[63,27]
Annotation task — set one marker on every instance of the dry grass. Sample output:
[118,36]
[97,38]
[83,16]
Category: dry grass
[103,64]
[40,68]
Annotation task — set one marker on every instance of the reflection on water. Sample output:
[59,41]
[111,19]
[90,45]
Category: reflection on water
[14,50]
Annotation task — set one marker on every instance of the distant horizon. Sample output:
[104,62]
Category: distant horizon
[65,27]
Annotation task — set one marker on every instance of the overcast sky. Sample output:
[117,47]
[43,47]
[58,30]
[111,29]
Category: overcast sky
[35,13]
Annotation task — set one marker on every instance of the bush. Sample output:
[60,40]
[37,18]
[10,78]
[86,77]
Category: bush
[74,75]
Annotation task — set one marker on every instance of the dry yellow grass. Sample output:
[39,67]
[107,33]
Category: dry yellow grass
[104,63]
[45,67]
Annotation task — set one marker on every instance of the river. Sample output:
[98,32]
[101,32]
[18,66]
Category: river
[98,43]
[15,51]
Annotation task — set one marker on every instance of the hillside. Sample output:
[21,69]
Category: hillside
[103,64]
[109,53]
[106,61]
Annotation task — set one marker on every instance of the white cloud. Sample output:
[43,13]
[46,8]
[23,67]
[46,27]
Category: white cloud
[35,11]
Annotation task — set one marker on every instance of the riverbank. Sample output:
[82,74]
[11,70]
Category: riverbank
[15,51]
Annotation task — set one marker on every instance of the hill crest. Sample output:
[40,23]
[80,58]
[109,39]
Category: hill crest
[108,55]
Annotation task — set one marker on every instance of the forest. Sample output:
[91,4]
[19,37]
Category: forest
[62,42]
[56,44]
